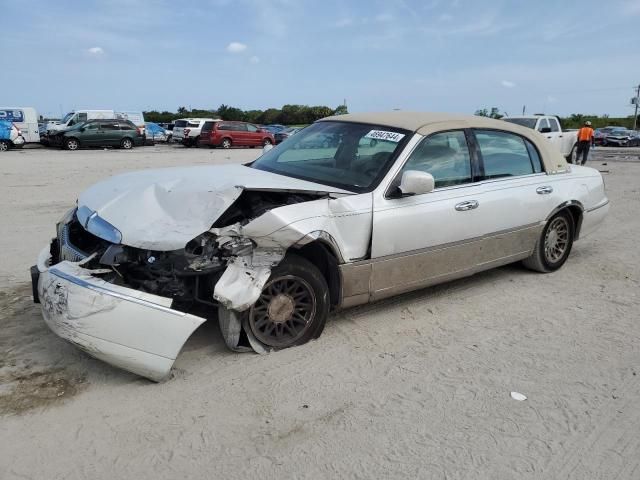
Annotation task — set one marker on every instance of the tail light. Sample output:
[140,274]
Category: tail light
[139,131]
[186,132]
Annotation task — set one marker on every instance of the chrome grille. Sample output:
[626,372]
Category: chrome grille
[67,250]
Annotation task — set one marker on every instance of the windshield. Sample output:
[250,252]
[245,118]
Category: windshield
[351,156]
[525,122]
[67,117]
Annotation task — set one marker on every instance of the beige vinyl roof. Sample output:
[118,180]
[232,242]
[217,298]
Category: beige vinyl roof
[426,123]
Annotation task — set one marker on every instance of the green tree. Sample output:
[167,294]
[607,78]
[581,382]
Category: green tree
[341,110]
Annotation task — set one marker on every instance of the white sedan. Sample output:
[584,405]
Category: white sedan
[397,202]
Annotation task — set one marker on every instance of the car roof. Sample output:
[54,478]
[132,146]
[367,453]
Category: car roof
[426,123]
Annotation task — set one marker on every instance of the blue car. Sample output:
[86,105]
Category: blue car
[10,136]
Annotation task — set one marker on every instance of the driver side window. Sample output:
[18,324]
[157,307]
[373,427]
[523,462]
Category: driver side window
[445,156]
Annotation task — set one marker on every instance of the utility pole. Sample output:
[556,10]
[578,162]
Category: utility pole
[635,115]
[524,107]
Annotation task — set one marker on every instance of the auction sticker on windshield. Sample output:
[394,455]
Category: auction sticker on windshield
[384,135]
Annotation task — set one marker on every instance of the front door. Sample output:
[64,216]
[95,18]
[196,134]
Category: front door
[425,239]
[91,134]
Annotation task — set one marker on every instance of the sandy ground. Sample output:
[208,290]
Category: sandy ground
[414,387]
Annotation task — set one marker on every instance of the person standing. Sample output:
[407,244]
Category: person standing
[585,140]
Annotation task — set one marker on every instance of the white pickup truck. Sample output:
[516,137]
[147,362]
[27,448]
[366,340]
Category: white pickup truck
[549,126]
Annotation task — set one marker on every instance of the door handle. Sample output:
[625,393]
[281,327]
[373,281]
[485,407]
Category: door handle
[468,205]
[549,137]
[544,190]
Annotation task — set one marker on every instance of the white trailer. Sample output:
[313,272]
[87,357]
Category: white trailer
[25,119]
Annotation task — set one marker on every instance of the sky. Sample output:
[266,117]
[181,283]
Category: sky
[556,57]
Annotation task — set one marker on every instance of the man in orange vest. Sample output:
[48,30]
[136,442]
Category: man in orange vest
[585,139]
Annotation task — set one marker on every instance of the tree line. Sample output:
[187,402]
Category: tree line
[575,120]
[287,115]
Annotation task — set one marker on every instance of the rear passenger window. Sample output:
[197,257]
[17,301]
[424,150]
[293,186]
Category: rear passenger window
[110,126]
[207,127]
[127,126]
[251,128]
[445,156]
[507,155]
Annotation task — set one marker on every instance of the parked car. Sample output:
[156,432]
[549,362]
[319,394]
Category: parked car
[271,247]
[10,136]
[100,133]
[600,134]
[187,130]
[274,128]
[621,138]
[25,119]
[286,133]
[549,126]
[233,134]
[156,133]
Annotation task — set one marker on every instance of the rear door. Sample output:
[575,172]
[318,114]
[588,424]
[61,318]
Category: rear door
[517,192]
[111,133]
[178,129]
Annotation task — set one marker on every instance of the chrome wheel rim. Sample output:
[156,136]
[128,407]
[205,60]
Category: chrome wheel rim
[126,144]
[284,312]
[267,142]
[3,147]
[226,144]
[556,240]
[72,145]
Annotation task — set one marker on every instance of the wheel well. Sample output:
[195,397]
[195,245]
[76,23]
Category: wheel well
[576,214]
[323,257]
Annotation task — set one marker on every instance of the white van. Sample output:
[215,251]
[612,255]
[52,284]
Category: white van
[78,116]
[25,119]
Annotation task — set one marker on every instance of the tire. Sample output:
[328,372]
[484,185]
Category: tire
[293,306]
[554,245]
[71,144]
[195,142]
[126,143]
[4,145]
[226,143]
[267,141]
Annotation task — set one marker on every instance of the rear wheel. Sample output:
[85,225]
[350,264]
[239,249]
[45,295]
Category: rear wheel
[267,141]
[554,245]
[72,144]
[4,145]
[293,306]
[126,143]
[226,143]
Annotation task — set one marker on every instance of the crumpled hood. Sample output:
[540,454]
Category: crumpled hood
[164,209]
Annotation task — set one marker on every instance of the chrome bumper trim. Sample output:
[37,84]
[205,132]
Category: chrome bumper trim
[83,283]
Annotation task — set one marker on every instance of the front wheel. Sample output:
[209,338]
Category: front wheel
[554,245]
[226,143]
[126,143]
[4,146]
[72,144]
[293,306]
[267,141]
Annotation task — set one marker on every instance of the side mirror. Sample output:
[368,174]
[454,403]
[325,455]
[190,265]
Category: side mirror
[545,130]
[415,182]
[82,129]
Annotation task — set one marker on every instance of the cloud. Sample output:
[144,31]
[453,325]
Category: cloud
[507,83]
[95,51]
[445,17]
[383,17]
[236,47]
[343,22]
[254,60]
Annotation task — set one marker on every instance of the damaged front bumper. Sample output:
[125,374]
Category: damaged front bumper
[129,329]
